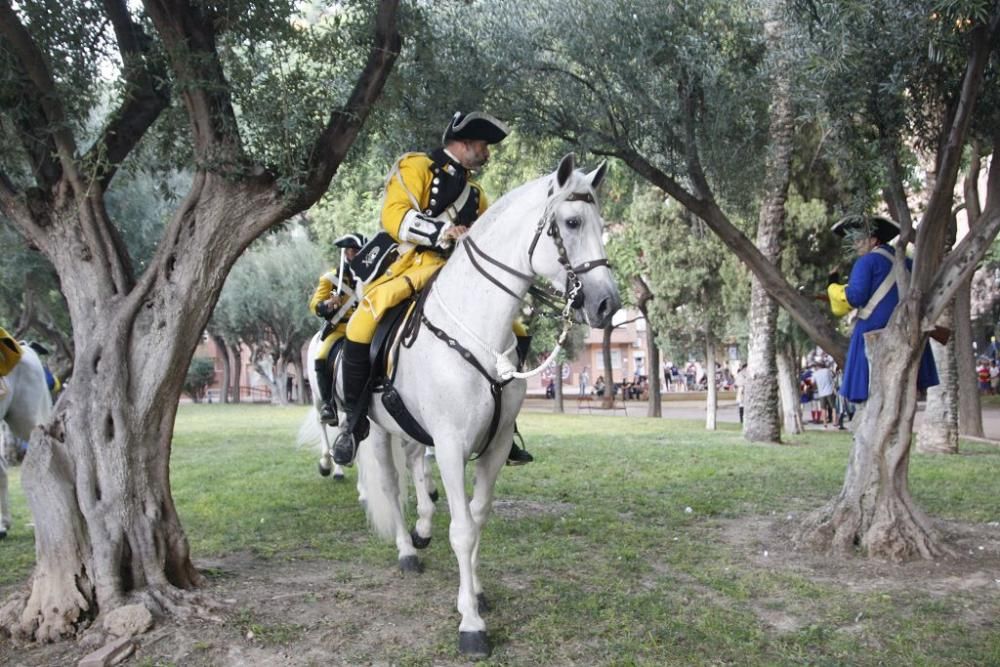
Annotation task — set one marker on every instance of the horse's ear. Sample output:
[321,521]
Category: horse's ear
[596,177]
[565,170]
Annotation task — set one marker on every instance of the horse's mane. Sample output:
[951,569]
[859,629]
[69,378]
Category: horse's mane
[506,201]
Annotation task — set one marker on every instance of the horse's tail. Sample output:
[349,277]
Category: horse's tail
[309,432]
[379,507]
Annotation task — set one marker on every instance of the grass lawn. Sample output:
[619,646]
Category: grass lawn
[629,541]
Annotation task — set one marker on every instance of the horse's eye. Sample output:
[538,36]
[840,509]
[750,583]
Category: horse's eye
[572,223]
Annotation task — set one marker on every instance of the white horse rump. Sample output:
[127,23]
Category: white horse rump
[26,405]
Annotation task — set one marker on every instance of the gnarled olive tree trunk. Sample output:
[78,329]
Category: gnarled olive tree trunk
[97,480]
[874,511]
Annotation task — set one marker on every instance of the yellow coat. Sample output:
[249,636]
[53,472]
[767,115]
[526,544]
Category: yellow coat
[410,187]
[10,352]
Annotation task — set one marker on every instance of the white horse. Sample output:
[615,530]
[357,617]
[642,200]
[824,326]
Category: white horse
[26,404]
[313,431]
[549,227]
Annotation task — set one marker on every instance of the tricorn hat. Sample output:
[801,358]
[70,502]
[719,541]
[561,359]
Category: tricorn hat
[475,126]
[878,226]
[356,241]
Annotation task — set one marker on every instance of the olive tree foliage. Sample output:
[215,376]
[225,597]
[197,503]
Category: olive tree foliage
[264,304]
[199,376]
[31,306]
[893,76]
[678,92]
[87,91]
[683,265]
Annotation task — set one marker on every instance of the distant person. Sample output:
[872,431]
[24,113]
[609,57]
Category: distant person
[740,381]
[823,380]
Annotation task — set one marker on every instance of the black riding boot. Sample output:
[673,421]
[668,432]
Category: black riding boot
[356,372]
[324,378]
[519,455]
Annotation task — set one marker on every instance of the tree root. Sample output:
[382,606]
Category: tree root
[51,611]
[891,533]
[22,617]
[169,601]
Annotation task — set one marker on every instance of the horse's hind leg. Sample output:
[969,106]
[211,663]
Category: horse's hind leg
[5,521]
[419,469]
[326,464]
[381,445]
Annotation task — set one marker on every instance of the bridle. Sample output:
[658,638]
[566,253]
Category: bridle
[573,293]
[546,223]
[505,370]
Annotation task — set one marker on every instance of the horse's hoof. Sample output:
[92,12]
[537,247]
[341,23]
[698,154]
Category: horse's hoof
[435,495]
[411,564]
[3,534]
[419,542]
[325,472]
[339,477]
[484,604]
[474,644]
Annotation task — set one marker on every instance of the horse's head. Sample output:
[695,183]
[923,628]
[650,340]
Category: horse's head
[568,248]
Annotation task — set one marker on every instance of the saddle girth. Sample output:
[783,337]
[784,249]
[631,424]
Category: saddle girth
[391,400]
[496,386]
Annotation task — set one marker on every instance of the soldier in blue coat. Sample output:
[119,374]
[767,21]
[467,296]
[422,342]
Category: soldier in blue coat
[871,289]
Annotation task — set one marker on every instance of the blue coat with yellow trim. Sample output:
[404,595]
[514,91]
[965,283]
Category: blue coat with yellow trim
[867,274]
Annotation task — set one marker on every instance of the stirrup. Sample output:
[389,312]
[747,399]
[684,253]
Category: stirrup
[344,449]
[518,456]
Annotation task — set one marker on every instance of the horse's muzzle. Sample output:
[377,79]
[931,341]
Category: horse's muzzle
[600,305]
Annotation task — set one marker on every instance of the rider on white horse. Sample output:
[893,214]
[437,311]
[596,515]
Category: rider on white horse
[334,301]
[429,202]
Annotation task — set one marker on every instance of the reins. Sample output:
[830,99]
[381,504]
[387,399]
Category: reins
[505,370]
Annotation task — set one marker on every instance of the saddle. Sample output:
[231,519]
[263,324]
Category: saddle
[398,327]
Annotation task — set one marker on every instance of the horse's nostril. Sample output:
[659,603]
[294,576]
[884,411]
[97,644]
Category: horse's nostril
[602,309]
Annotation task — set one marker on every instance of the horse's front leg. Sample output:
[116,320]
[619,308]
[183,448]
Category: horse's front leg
[419,469]
[488,468]
[464,535]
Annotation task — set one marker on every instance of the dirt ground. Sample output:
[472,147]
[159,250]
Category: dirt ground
[297,612]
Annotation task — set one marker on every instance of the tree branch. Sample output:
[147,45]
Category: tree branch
[801,309]
[962,260]
[929,246]
[20,101]
[970,188]
[344,124]
[32,62]
[189,40]
[145,96]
